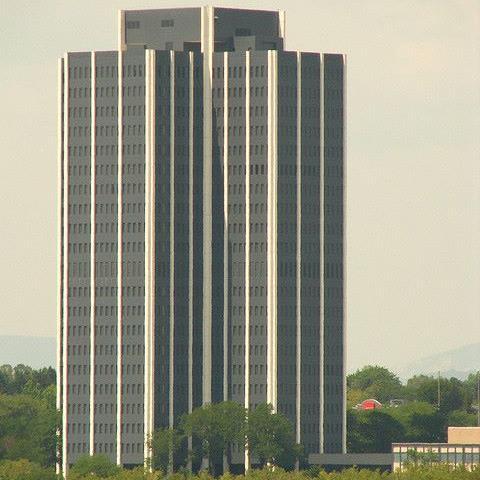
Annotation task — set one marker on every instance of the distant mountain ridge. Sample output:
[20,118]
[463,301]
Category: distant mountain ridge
[458,362]
[36,352]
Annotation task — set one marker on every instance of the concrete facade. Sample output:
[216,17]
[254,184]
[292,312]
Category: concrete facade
[456,455]
[464,435]
[202,239]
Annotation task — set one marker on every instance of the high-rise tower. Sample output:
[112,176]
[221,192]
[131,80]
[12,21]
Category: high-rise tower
[201,232]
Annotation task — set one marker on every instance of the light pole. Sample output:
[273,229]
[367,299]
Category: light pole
[438,389]
[478,398]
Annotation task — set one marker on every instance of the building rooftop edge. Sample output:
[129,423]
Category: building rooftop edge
[308,52]
[199,8]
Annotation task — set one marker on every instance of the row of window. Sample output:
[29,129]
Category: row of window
[255,247]
[239,71]
[108,208]
[254,291]
[255,311]
[80,92]
[256,268]
[99,447]
[240,92]
[239,189]
[254,388]
[102,111]
[289,269]
[254,329]
[255,208]
[102,291]
[138,149]
[107,227]
[253,350]
[108,91]
[127,310]
[234,150]
[240,228]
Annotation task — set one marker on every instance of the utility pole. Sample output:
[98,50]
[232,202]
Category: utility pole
[478,398]
[438,392]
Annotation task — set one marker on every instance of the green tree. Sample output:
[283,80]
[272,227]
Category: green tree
[163,442]
[471,383]
[139,473]
[216,426]
[28,428]
[454,394]
[376,382]
[461,418]
[372,431]
[421,421]
[413,385]
[25,470]
[271,438]
[99,465]
[23,379]
[355,396]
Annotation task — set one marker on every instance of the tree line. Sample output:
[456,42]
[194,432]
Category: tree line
[216,428]
[28,421]
[99,467]
[427,406]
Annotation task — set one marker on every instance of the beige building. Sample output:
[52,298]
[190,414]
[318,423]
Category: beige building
[462,449]
[464,435]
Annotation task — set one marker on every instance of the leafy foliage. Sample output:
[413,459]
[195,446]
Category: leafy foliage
[25,470]
[373,431]
[28,421]
[25,380]
[27,428]
[216,427]
[376,382]
[163,442]
[419,419]
[454,395]
[270,437]
[98,465]
[418,470]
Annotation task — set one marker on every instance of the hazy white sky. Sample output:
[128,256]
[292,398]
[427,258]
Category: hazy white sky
[413,155]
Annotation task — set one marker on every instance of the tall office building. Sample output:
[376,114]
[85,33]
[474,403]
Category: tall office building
[201,258]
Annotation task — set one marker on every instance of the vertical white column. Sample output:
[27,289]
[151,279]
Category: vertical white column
[149,251]
[344,278]
[119,255]
[226,321]
[146,376]
[121,40]
[92,250]
[58,359]
[207,34]
[270,222]
[190,242]
[171,376]
[322,258]
[282,26]
[275,224]
[298,401]
[272,230]
[66,106]
[247,243]
[152,201]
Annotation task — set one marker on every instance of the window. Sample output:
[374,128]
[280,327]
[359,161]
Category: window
[243,32]
[167,23]
[135,24]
